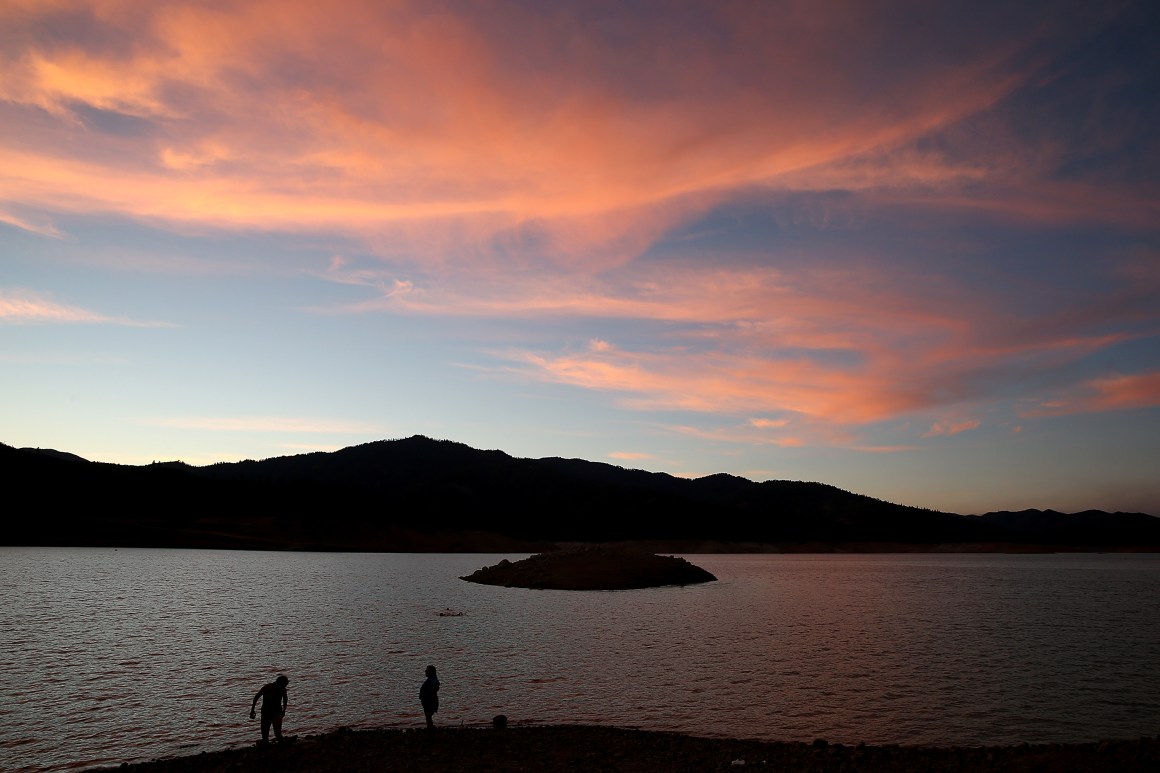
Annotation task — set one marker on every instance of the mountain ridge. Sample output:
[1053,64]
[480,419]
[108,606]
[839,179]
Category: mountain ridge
[419,493]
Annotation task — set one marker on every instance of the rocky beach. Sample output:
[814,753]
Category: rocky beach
[560,749]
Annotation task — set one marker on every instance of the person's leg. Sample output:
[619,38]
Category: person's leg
[265,727]
[278,726]
[430,724]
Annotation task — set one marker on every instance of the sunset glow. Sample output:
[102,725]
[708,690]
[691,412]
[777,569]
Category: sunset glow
[908,250]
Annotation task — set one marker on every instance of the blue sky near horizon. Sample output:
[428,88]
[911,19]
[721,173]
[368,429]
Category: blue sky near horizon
[912,250]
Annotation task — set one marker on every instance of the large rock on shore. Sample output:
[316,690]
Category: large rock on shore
[592,568]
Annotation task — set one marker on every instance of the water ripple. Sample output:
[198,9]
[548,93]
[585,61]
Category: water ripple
[154,653]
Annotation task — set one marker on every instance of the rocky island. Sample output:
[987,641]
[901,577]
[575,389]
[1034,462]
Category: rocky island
[592,567]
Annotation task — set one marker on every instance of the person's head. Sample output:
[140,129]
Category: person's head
[282,681]
[430,670]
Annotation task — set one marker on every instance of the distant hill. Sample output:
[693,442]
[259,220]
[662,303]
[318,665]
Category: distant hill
[423,494]
[55,454]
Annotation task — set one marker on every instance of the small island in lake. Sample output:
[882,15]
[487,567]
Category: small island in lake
[592,567]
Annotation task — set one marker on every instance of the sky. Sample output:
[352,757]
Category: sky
[909,249]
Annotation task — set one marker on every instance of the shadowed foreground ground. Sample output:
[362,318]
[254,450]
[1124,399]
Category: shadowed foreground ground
[592,749]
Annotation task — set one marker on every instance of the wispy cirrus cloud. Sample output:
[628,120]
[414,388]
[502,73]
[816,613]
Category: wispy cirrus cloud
[630,455]
[853,345]
[951,427]
[855,341]
[29,308]
[879,388]
[801,434]
[714,382]
[891,449]
[43,228]
[1110,393]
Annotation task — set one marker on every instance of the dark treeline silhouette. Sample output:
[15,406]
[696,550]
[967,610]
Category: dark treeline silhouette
[421,494]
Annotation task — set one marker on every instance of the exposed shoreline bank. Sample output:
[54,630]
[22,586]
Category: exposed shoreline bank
[560,748]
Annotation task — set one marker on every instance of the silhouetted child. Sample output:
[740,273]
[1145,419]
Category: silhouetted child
[429,696]
[273,697]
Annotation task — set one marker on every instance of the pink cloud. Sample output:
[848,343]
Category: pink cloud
[797,432]
[1051,203]
[769,423]
[511,163]
[1111,393]
[895,449]
[842,344]
[715,382]
[24,307]
[473,134]
[950,427]
[845,347]
[42,228]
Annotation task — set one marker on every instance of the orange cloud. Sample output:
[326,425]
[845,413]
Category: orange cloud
[833,309]
[840,347]
[769,423]
[806,433]
[724,383]
[473,134]
[1112,393]
[511,162]
[896,449]
[948,428]
[854,344]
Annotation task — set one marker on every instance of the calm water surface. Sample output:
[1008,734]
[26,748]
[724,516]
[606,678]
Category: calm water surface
[115,655]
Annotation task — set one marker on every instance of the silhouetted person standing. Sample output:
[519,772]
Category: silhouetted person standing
[429,696]
[273,697]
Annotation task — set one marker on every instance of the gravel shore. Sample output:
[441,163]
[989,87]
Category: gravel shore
[560,749]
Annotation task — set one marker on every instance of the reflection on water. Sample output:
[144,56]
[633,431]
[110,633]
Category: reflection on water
[112,655]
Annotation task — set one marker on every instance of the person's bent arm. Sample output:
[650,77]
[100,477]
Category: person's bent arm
[254,703]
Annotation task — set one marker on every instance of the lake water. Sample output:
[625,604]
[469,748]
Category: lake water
[115,655]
